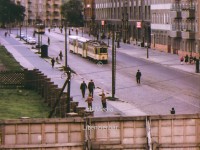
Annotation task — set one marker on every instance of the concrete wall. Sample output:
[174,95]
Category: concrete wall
[180,132]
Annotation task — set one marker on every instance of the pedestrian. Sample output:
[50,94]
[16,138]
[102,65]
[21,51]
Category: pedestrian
[57,60]
[138,76]
[191,59]
[52,62]
[181,59]
[33,33]
[83,87]
[172,111]
[49,30]
[91,87]
[60,55]
[76,31]
[89,101]
[6,34]
[103,101]
[186,59]
[194,59]
[48,40]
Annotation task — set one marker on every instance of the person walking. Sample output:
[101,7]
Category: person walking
[48,40]
[182,59]
[60,55]
[186,59]
[138,76]
[91,87]
[103,101]
[83,87]
[89,101]
[52,62]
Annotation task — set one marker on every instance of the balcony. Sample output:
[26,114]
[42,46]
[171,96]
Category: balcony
[188,13]
[188,35]
[175,34]
[175,14]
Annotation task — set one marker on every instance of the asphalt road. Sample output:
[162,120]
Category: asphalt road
[161,87]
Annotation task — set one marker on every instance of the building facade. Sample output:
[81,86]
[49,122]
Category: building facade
[131,18]
[166,25]
[174,26]
[46,11]
[89,15]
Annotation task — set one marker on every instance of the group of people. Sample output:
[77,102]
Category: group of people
[188,59]
[89,100]
[53,60]
[91,87]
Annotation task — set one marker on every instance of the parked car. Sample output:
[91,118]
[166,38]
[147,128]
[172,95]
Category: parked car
[31,40]
[22,35]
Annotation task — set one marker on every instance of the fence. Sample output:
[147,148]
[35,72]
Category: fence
[172,132]
[10,79]
[37,81]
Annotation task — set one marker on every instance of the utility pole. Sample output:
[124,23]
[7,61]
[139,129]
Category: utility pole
[68,90]
[66,64]
[113,62]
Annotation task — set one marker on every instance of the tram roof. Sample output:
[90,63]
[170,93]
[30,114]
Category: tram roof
[97,43]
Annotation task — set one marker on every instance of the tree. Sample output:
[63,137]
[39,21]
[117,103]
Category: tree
[10,12]
[72,12]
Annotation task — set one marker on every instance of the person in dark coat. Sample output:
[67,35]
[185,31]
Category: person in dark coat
[83,87]
[52,62]
[138,76]
[186,59]
[60,55]
[103,101]
[91,87]
[172,110]
[48,40]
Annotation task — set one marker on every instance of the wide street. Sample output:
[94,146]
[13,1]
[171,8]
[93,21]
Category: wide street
[162,87]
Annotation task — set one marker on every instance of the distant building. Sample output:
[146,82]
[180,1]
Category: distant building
[46,11]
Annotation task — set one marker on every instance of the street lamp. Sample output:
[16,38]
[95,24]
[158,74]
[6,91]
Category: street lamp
[65,28]
[125,22]
[147,46]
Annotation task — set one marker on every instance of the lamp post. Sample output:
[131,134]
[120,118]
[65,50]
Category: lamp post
[125,22]
[65,28]
[147,46]
[113,63]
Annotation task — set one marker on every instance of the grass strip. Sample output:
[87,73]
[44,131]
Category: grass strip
[15,103]
[8,60]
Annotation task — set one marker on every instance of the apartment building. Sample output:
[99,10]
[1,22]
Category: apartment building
[184,32]
[131,18]
[174,26]
[46,11]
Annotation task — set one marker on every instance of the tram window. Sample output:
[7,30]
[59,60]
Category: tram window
[103,50]
[80,45]
[95,50]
